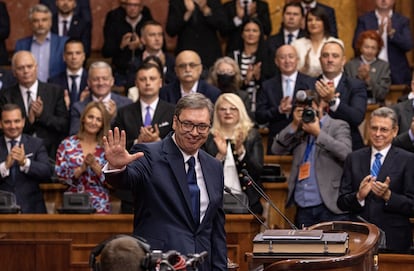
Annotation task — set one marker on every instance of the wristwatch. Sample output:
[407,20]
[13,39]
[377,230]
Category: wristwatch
[332,102]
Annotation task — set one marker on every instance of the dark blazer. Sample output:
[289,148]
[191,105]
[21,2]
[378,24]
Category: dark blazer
[6,78]
[77,109]
[162,202]
[82,9]
[26,186]
[332,146]
[404,141]
[52,126]
[129,118]
[4,33]
[392,216]
[268,101]
[78,29]
[353,95]
[274,42]
[233,32]
[252,162]
[405,113]
[398,45]
[57,45]
[199,33]
[171,93]
[62,80]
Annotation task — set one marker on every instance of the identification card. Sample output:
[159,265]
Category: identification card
[304,171]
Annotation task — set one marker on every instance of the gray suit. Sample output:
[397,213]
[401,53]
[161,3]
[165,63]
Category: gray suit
[379,73]
[332,146]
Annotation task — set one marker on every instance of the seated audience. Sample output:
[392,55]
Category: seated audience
[100,82]
[46,46]
[369,68]
[276,100]
[43,104]
[395,32]
[317,30]
[188,69]
[377,183]
[80,157]
[4,33]
[23,161]
[234,141]
[237,12]
[252,59]
[319,145]
[225,75]
[74,79]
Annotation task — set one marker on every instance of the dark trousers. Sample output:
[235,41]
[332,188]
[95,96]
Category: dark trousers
[309,216]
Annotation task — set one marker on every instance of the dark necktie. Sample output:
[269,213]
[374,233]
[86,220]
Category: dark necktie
[73,90]
[29,100]
[194,190]
[65,28]
[147,121]
[13,168]
[290,38]
[376,166]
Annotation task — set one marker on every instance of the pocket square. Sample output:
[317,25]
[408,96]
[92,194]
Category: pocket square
[165,123]
[29,155]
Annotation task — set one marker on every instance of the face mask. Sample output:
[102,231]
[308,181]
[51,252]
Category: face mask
[225,80]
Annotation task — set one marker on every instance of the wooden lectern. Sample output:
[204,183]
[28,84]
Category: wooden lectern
[362,254]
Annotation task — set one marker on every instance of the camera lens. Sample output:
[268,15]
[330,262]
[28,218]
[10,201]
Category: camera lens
[308,115]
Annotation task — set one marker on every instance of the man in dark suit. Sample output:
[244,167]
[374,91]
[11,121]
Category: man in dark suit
[42,103]
[309,4]
[142,124]
[47,47]
[175,210]
[82,9]
[100,82]
[289,30]
[121,39]
[67,23]
[235,12]
[188,68]
[346,97]
[6,78]
[274,103]
[319,148]
[4,33]
[74,79]
[196,25]
[394,29]
[24,162]
[377,183]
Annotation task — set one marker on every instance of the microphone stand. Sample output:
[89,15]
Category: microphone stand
[250,181]
[228,190]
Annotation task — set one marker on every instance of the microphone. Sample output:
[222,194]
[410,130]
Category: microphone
[301,96]
[228,190]
[249,181]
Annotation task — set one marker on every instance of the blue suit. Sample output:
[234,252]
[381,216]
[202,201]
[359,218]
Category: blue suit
[62,80]
[57,45]
[26,186]
[397,46]
[392,217]
[172,92]
[162,202]
[77,109]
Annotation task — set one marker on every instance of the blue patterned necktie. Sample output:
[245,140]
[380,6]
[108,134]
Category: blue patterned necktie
[194,190]
[376,166]
[147,121]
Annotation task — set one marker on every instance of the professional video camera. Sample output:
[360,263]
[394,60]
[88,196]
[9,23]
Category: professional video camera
[304,100]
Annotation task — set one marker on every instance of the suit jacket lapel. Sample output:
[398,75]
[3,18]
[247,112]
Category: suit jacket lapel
[386,165]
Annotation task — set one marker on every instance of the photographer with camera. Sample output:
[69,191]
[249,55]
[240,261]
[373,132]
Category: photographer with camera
[319,145]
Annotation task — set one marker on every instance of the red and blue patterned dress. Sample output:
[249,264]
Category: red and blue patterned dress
[70,156]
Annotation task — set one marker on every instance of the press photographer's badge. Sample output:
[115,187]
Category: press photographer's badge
[304,171]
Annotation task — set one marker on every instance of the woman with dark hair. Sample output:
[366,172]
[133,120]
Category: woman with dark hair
[80,158]
[369,68]
[252,59]
[309,47]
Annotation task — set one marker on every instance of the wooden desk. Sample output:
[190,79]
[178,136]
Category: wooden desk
[285,162]
[85,231]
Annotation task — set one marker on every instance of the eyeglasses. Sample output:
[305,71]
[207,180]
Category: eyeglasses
[192,65]
[187,126]
[382,130]
[230,109]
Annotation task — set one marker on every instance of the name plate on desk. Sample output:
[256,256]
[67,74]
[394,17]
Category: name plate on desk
[330,244]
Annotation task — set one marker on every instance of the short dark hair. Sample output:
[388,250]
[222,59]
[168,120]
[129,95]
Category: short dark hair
[294,4]
[73,40]
[10,107]
[150,22]
[194,101]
